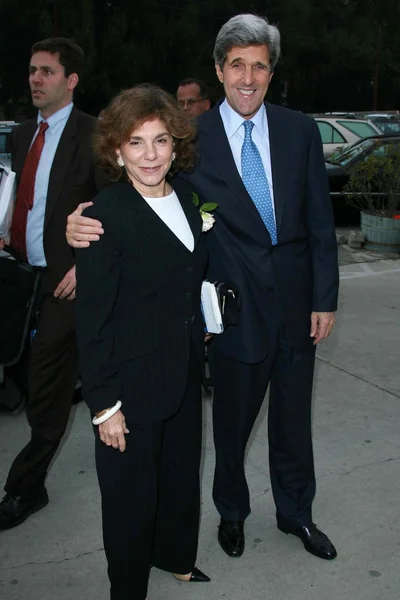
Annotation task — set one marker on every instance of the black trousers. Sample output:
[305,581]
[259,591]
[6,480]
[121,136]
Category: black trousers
[239,390]
[52,377]
[151,496]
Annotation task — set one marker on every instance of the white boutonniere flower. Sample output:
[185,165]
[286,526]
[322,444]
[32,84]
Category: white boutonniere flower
[205,212]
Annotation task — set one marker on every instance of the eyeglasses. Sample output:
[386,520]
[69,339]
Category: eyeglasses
[191,102]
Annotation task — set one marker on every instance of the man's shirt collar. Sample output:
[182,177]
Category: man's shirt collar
[59,116]
[233,121]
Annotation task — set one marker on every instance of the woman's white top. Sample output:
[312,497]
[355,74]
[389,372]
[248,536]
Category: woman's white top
[169,209]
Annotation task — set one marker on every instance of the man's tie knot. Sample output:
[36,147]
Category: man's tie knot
[248,128]
[43,127]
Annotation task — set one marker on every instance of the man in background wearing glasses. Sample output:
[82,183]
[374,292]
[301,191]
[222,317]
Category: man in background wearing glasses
[192,96]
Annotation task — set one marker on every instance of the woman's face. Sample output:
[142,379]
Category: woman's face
[148,157]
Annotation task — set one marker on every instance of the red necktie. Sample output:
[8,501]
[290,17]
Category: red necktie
[25,193]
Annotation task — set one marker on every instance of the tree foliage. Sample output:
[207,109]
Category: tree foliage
[332,51]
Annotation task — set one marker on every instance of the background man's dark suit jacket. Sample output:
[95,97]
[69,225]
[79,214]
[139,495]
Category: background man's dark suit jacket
[304,263]
[138,305]
[71,181]
[53,362]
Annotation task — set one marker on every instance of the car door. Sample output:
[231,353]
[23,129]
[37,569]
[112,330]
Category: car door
[332,139]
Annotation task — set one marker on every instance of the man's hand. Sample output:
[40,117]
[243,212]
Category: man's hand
[66,287]
[2,244]
[82,230]
[321,325]
[112,432]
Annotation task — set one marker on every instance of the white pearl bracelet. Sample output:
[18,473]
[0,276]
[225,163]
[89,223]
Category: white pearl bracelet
[109,413]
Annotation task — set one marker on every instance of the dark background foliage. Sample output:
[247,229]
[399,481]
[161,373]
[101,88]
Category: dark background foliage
[336,54]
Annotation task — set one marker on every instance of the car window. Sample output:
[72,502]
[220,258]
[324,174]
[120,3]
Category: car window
[385,149]
[380,151]
[349,155]
[359,128]
[329,134]
[3,142]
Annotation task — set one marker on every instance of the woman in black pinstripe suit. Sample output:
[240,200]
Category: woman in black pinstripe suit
[140,336]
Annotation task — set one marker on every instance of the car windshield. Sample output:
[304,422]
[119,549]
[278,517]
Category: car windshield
[387,126]
[349,154]
[360,128]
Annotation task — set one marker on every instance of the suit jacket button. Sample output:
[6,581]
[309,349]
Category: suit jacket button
[189,270]
[188,295]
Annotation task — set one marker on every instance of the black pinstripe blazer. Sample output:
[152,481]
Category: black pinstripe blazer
[138,305]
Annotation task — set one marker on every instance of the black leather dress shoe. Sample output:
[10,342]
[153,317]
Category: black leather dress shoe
[196,576]
[315,541]
[15,509]
[231,537]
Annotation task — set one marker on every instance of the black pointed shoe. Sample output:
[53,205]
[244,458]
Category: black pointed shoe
[15,509]
[196,576]
[315,541]
[231,537]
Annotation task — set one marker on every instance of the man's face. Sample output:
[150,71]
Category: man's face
[190,101]
[50,89]
[246,75]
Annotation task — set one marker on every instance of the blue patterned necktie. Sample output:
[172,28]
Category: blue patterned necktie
[255,181]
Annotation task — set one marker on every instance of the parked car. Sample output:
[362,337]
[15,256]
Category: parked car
[339,133]
[337,168]
[6,128]
[387,122]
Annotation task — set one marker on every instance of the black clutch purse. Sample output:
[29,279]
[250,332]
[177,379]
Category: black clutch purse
[229,302]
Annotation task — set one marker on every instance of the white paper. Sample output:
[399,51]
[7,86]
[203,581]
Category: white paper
[210,307]
[7,201]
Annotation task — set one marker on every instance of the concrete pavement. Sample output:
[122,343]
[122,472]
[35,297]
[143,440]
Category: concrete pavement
[57,553]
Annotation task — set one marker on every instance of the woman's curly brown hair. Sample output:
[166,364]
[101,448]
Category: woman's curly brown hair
[128,111]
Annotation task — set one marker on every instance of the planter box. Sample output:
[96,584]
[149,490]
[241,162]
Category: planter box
[381,233]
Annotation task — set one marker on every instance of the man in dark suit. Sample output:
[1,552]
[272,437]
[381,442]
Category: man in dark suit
[274,239]
[53,160]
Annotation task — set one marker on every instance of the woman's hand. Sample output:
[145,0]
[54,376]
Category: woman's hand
[112,432]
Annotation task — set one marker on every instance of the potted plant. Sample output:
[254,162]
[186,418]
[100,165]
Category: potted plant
[374,188]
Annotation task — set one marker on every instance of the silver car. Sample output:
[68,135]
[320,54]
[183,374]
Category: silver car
[338,133]
[6,128]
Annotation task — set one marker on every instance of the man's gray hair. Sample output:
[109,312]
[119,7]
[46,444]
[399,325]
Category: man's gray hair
[247,30]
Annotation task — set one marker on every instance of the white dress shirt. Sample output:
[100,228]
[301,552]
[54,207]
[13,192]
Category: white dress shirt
[233,124]
[169,209]
[35,222]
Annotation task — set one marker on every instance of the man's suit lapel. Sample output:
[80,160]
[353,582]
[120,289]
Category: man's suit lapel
[279,162]
[217,146]
[62,161]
